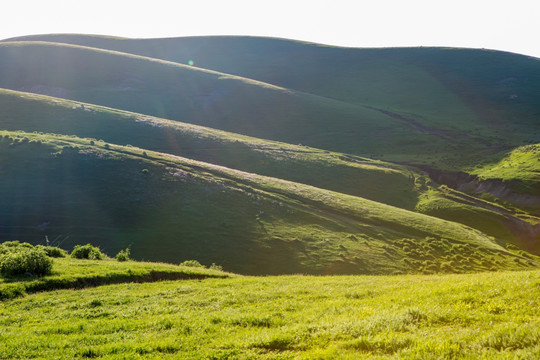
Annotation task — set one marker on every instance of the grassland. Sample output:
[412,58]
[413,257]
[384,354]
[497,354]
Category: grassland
[459,94]
[142,155]
[266,157]
[384,182]
[203,97]
[354,175]
[115,196]
[473,316]
[413,105]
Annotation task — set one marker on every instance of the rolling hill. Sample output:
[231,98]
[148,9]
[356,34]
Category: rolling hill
[373,179]
[271,156]
[473,95]
[168,207]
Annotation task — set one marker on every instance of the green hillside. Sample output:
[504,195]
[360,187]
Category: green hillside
[448,108]
[211,164]
[170,209]
[521,166]
[372,179]
[464,94]
[272,156]
[179,92]
[425,121]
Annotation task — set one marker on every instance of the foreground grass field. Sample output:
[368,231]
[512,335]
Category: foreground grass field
[486,315]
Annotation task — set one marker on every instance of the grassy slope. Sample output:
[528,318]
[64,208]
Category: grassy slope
[477,96]
[379,124]
[198,96]
[485,315]
[372,179]
[208,97]
[449,108]
[502,221]
[173,209]
[521,165]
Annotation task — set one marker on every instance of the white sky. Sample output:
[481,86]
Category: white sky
[512,25]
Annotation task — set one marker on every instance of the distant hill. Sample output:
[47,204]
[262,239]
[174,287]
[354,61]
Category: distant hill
[294,157]
[482,96]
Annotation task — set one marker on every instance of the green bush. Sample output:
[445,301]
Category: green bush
[16,243]
[53,251]
[24,260]
[123,255]
[192,263]
[216,267]
[87,252]
[9,246]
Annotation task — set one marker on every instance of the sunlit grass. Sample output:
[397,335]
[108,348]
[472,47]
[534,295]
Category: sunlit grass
[485,315]
[75,273]
[521,165]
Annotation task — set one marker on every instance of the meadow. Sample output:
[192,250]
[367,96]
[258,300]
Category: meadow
[470,316]
[364,203]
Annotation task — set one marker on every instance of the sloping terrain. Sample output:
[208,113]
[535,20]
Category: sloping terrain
[432,125]
[179,92]
[476,96]
[171,208]
[266,156]
[372,179]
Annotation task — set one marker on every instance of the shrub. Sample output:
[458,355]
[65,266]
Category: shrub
[9,246]
[216,267]
[25,260]
[123,255]
[86,252]
[192,263]
[53,251]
